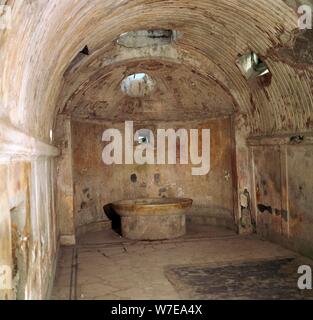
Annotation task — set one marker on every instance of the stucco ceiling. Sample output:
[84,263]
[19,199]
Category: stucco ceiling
[178,94]
[36,83]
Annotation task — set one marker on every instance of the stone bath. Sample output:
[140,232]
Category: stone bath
[153,219]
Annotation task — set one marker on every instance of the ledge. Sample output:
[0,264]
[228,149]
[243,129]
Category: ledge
[297,139]
[14,144]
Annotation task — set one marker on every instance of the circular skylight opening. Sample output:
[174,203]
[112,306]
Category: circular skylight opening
[138,85]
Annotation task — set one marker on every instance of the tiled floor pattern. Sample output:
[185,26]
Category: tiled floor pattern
[104,266]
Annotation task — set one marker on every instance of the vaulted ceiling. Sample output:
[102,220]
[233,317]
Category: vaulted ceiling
[196,76]
[178,94]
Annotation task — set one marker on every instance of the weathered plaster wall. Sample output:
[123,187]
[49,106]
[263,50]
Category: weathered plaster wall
[64,177]
[29,229]
[242,175]
[283,186]
[6,280]
[28,237]
[97,184]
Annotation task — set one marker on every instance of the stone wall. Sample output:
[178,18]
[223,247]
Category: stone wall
[97,184]
[64,176]
[283,189]
[28,226]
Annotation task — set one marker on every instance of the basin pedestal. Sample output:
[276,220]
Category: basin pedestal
[153,219]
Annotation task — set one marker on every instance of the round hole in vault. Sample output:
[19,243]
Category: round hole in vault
[138,85]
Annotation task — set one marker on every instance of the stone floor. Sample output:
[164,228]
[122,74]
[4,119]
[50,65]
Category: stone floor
[104,266]
[269,279]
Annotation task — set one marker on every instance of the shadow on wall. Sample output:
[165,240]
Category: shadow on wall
[114,217]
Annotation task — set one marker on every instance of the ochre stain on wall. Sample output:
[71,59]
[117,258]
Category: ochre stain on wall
[97,184]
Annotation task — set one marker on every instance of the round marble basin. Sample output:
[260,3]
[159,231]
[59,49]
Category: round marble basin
[153,219]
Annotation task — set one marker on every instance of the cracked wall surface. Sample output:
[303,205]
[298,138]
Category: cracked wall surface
[98,185]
